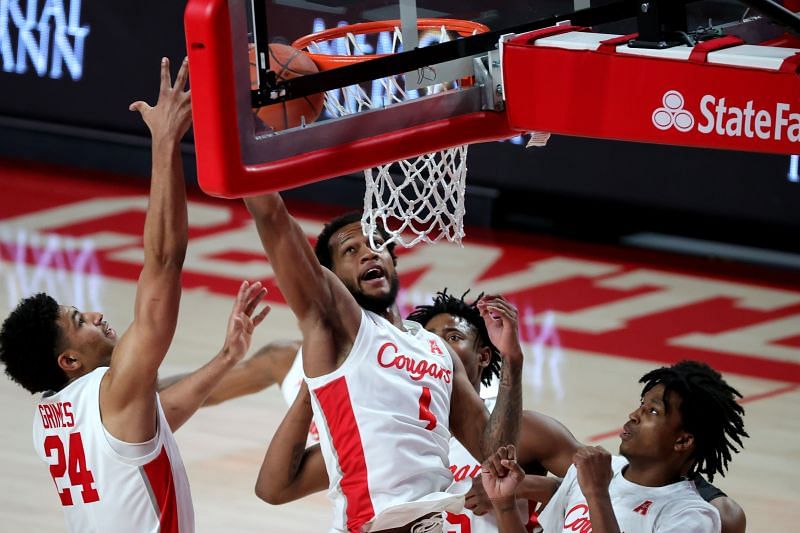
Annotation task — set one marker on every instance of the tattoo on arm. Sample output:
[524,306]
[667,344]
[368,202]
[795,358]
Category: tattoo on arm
[503,426]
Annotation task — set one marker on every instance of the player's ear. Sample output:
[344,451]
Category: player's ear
[69,361]
[684,442]
[484,357]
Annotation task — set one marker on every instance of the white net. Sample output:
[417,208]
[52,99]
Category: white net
[411,200]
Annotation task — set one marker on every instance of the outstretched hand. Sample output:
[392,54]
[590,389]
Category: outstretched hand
[501,474]
[241,323]
[171,117]
[502,323]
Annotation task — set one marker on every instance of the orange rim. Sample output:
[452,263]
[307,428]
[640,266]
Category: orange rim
[464,28]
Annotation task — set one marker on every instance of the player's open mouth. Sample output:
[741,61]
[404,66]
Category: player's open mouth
[626,434]
[373,274]
[110,333]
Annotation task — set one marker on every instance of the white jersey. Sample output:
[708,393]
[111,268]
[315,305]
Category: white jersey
[290,388]
[383,420]
[105,484]
[677,507]
[464,468]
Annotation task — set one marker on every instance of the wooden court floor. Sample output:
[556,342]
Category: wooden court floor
[594,319]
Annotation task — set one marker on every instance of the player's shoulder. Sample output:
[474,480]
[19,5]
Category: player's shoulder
[687,512]
[707,491]
[684,498]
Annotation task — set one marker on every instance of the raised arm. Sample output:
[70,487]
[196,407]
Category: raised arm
[266,367]
[502,323]
[181,400]
[290,470]
[127,393]
[480,436]
[329,316]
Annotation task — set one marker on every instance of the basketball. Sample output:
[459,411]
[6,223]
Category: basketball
[288,63]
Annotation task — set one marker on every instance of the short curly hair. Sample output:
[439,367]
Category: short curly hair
[29,344]
[322,248]
[448,304]
[709,412]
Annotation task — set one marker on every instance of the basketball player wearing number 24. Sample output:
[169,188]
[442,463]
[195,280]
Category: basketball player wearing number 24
[102,428]
[378,383]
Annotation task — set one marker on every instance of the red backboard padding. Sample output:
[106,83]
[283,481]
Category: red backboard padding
[616,96]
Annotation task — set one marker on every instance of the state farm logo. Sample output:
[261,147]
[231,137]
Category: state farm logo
[727,119]
[672,114]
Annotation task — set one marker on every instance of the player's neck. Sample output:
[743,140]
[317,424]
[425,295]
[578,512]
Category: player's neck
[655,474]
[392,314]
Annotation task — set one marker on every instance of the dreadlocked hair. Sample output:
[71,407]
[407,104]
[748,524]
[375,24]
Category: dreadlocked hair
[444,303]
[709,412]
[29,340]
[322,248]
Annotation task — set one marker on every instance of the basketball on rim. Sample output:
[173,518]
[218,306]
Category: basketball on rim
[287,63]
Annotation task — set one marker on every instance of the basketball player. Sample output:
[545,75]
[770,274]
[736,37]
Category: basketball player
[461,326]
[100,425]
[545,444]
[378,383]
[687,424]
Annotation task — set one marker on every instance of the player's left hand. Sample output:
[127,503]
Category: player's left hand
[502,323]
[242,323]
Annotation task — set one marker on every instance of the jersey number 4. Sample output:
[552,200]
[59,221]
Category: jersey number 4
[75,465]
[425,413]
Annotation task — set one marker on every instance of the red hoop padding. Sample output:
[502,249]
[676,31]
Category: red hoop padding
[464,28]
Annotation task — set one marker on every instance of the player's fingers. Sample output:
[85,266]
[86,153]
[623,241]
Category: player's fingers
[139,106]
[165,77]
[502,453]
[254,296]
[241,296]
[514,470]
[488,467]
[183,74]
[498,469]
[255,300]
[471,501]
[509,464]
[501,311]
[262,315]
[512,452]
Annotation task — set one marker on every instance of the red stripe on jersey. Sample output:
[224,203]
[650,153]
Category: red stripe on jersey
[159,474]
[334,399]
[533,517]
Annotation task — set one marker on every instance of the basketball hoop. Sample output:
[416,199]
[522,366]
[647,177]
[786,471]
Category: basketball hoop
[412,200]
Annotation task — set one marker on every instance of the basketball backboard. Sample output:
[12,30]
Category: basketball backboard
[222,37]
